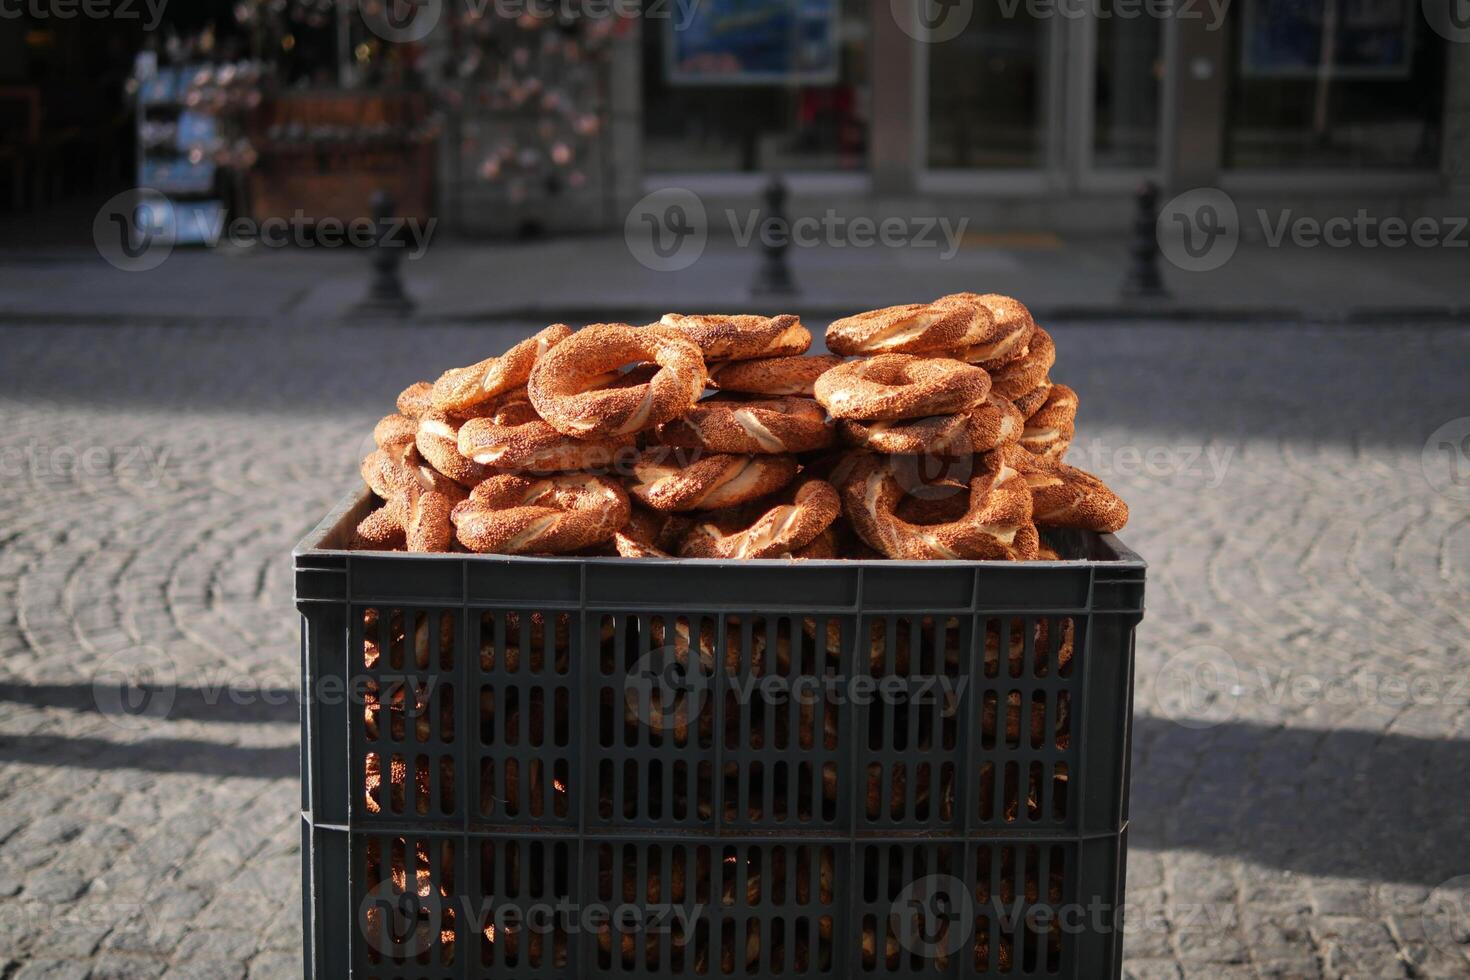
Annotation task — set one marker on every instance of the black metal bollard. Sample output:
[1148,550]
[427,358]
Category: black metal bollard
[774,278]
[1143,279]
[386,295]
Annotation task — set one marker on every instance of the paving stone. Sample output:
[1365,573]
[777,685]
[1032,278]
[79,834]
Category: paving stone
[49,969]
[276,966]
[113,967]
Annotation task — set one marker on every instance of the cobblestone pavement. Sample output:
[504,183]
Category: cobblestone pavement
[1298,809]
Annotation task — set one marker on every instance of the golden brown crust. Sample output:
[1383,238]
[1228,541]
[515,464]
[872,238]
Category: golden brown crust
[916,328]
[906,437]
[460,389]
[1050,429]
[437,441]
[516,439]
[779,532]
[382,530]
[982,329]
[428,527]
[416,400]
[901,386]
[824,547]
[562,383]
[1027,372]
[517,515]
[1064,496]
[651,534]
[741,337]
[661,481]
[996,525]
[994,422]
[760,426]
[1011,330]
[387,471]
[1028,403]
[393,472]
[772,375]
[394,430]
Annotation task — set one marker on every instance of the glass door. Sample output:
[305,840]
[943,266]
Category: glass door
[989,91]
[1116,102]
[1044,97]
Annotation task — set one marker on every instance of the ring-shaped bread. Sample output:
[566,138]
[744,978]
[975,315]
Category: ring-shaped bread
[901,386]
[562,385]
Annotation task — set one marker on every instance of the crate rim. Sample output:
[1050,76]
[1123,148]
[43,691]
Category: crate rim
[311,546]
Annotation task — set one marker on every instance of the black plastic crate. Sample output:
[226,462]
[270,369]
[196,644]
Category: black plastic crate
[602,768]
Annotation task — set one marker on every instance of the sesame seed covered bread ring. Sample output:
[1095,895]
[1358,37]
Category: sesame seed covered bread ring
[463,388]
[392,471]
[996,525]
[394,430]
[901,386]
[780,531]
[1030,403]
[1011,330]
[1050,428]
[561,379]
[708,483]
[779,425]
[650,534]
[516,438]
[1027,372]
[382,530]
[994,422]
[427,526]
[1064,496]
[824,547]
[437,440]
[981,329]
[772,375]
[914,329]
[517,515]
[742,337]
[416,400]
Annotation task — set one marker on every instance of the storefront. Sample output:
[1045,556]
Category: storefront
[1031,114]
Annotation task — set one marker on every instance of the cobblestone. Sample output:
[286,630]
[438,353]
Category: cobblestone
[1294,823]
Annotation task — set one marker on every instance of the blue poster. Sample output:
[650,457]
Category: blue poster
[754,42]
[1342,38]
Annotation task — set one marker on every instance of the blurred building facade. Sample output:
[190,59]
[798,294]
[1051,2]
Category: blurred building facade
[1048,115]
[1022,115]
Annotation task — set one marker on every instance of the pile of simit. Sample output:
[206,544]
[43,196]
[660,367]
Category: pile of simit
[933,431]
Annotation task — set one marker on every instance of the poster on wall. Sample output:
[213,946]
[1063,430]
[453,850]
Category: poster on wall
[1343,38]
[753,42]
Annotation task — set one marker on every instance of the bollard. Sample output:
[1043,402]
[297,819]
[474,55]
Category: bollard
[386,295]
[774,278]
[1143,279]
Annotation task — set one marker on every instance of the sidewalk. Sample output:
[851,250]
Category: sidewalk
[597,278]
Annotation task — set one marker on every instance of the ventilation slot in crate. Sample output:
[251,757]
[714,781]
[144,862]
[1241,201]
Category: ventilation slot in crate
[408,911]
[403,697]
[526,701]
[1026,690]
[526,914]
[712,909]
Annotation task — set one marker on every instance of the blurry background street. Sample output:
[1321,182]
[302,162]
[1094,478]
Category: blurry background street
[1294,822]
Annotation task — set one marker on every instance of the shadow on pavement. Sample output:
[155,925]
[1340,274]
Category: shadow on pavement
[1339,803]
[262,706]
[162,755]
